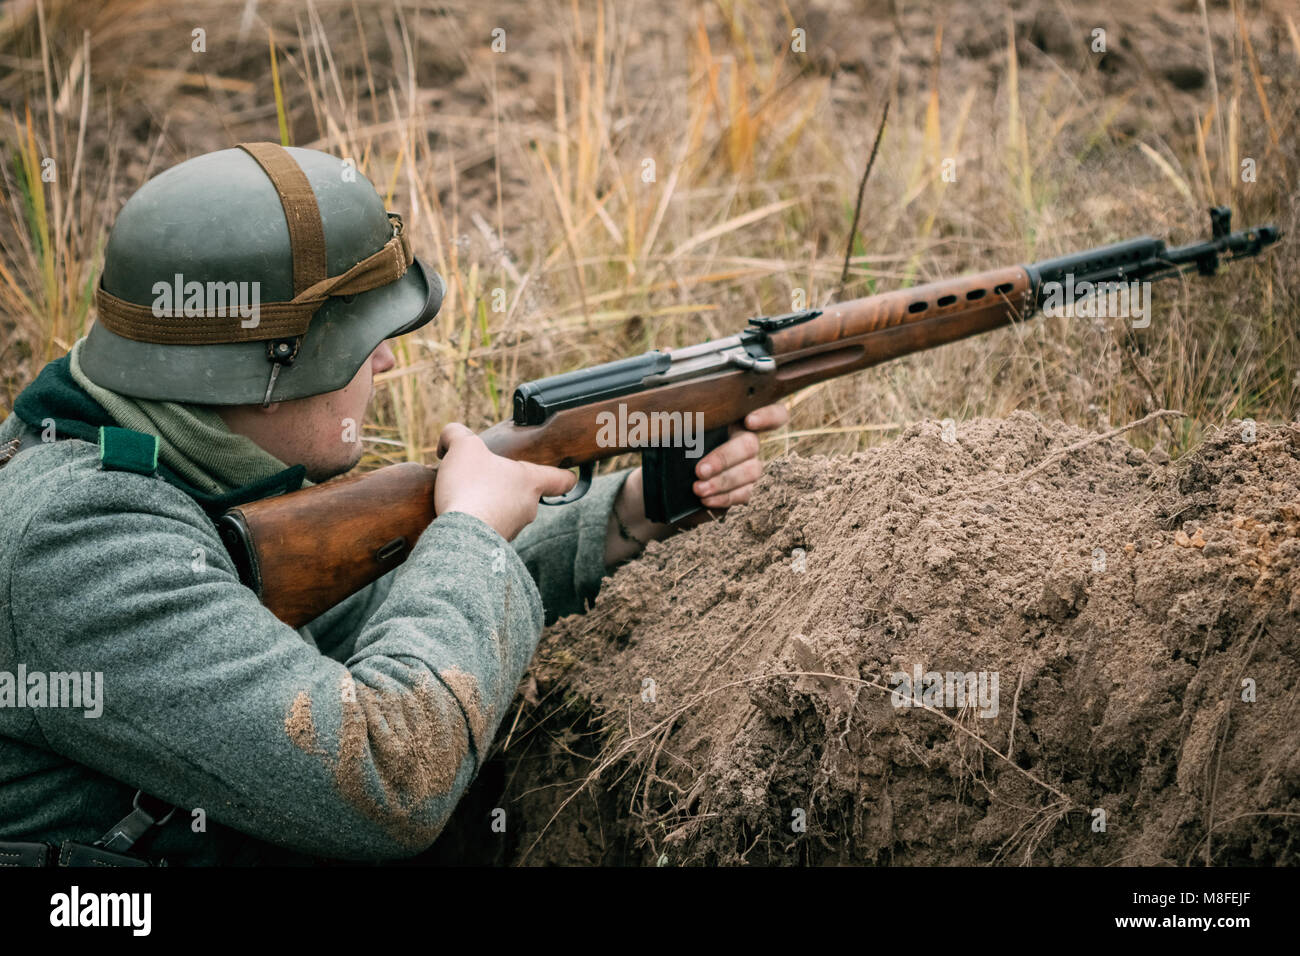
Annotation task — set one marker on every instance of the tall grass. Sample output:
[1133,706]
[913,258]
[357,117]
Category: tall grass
[55,210]
[617,180]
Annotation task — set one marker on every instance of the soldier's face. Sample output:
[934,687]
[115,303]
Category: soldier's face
[323,432]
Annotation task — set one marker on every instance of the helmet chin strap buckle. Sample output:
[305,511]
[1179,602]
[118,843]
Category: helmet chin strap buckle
[279,352]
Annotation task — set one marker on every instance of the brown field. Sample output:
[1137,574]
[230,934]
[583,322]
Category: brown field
[626,176]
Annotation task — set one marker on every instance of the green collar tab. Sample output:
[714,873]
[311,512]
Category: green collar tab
[121,449]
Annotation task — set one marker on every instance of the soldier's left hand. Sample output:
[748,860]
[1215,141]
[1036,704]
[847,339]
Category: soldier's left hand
[727,474]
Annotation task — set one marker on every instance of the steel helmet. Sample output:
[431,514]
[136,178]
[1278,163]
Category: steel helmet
[252,275]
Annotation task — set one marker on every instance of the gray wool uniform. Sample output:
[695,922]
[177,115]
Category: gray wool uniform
[352,738]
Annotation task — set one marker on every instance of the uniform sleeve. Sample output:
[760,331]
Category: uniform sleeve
[335,632]
[564,549]
[211,702]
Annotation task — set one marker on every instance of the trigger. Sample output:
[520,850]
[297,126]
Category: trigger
[577,491]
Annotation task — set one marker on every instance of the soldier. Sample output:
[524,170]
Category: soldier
[246,303]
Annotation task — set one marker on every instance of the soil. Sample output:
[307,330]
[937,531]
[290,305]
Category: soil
[728,699]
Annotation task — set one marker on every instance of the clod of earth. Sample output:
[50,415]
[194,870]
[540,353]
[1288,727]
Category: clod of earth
[732,696]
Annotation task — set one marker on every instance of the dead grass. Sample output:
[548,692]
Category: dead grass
[618,180]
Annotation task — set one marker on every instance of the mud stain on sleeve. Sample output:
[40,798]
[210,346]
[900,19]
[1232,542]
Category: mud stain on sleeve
[465,687]
[299,726]
[412,743]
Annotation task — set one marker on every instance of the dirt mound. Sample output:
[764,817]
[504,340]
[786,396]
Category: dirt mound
[1124,635]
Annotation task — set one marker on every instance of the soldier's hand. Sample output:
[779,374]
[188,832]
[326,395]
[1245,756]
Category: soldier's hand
[727,474]
[501,492]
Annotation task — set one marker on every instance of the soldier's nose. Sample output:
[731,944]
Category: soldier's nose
[383,357]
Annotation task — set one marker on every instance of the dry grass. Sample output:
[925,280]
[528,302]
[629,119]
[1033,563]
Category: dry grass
[525,171]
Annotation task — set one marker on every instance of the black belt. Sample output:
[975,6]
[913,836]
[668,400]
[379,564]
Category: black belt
[109,850]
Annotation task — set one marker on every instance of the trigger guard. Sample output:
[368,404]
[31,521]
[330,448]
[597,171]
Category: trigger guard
[577,491]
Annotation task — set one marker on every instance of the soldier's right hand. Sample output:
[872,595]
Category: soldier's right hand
[501,492]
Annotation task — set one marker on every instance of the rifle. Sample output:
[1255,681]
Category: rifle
[364,526]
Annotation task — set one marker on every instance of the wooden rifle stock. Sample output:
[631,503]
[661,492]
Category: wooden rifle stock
[304,552]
